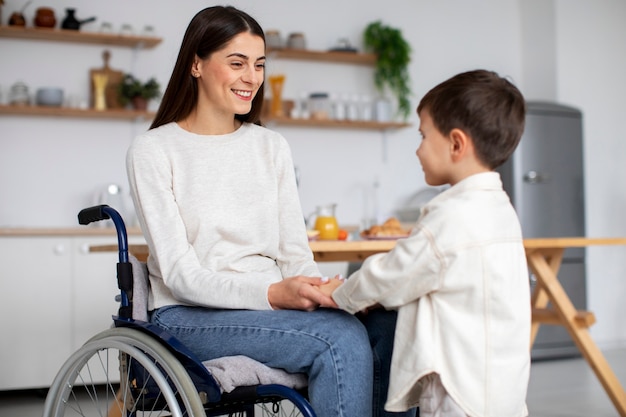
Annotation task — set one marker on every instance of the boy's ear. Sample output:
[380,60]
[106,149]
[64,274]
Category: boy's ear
[459,144]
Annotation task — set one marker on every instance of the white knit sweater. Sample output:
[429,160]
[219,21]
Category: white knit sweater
[221,215]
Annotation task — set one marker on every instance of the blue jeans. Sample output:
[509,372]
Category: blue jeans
[381,328]
[331,346]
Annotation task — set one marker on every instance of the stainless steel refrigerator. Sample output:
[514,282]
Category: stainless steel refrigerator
[545,181]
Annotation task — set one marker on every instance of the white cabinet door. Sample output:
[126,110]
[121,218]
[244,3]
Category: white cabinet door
[35,309]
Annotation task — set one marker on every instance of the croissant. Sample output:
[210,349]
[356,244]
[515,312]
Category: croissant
[391,227]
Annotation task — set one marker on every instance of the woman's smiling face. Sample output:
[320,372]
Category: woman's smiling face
[230,77]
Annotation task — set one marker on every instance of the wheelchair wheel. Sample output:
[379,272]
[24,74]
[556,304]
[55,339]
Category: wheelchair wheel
[123,372]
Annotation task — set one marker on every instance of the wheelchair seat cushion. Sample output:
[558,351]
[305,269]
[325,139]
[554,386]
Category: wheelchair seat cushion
[231,372]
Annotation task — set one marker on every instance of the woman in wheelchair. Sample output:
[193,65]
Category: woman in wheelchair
[230,268]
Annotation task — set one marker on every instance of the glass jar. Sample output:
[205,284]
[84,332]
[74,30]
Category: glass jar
[296,41]
[319,106]
[382,110]
[106,28]
[148,31]
[19,94]
[273,39]
[126,30]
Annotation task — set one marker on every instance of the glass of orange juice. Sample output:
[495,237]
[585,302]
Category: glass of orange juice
[326,222]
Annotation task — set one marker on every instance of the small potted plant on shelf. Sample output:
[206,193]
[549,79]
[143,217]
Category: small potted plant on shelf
[131,90]
[394,55]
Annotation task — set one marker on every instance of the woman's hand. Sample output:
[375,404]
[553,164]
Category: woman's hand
[298,293]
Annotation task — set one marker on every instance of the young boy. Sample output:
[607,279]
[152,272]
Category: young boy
[460,280]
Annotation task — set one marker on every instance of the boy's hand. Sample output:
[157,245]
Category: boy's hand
[329,287]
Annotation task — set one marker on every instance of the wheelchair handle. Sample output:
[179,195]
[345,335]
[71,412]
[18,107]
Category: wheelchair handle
[92,214]
[104,212]
[124,268]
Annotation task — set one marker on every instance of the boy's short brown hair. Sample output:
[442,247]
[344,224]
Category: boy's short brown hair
[487,107]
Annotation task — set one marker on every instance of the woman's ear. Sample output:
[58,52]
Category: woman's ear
[460,144]
[195,67]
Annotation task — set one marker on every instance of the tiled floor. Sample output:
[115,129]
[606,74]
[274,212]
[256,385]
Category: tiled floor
[558,388]
[569,388]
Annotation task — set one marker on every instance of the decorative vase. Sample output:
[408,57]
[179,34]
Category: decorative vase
[139,103]
[17,19]
[44,18]
[100,83]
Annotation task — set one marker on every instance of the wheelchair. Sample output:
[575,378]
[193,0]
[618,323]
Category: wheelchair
[136,368]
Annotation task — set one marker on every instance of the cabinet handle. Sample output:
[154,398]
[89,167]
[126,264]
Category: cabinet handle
[59,249]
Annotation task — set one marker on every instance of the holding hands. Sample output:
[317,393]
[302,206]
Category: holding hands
[328,288]
[303,293]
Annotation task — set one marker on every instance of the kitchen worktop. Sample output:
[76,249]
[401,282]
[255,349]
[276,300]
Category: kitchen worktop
[64,231]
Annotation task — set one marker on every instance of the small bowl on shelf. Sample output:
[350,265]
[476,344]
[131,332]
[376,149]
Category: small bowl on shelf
[49,96]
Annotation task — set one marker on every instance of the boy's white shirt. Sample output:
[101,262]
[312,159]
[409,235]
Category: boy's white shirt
[460,285]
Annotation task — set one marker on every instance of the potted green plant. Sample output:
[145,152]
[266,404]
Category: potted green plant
[394,55]
[138,93]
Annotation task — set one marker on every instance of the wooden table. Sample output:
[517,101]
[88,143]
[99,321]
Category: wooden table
[544,258]
[550,303]
[348,251]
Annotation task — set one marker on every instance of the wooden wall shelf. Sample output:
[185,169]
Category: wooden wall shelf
[340,57]
[121,114]
[76,36]
[371,125]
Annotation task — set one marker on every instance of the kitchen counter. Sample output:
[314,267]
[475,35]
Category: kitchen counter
[64,231]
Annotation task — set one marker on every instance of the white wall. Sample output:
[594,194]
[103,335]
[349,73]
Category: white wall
[565,50]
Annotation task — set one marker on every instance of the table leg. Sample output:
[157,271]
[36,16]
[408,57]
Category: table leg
[547,277]
[540,299]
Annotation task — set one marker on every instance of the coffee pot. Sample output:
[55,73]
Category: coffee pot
[71,22]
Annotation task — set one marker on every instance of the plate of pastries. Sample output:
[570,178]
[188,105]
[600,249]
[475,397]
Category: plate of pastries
[389,230]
